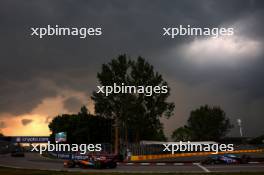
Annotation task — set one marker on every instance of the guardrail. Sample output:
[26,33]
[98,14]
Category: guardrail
[163,156]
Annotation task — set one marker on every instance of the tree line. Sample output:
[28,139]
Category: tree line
[137,116]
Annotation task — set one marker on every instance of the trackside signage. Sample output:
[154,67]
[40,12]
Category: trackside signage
[33,139]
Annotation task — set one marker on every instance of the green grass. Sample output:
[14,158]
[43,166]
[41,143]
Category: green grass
[11,171]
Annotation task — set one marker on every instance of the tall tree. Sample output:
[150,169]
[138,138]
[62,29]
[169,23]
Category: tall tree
[208,123]
[136,114]
[182,134]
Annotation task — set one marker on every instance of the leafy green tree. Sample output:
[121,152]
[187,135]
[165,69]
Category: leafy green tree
[138,115]
[182,134]
[257,140]
[208,123]
[82,127]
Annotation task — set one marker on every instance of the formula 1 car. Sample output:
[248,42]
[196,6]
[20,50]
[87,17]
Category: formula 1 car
[92,162]
[226,159]
[17,152]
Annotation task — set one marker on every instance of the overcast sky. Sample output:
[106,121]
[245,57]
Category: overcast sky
[40,78]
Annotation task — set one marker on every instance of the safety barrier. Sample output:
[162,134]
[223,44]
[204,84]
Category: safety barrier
[163,156]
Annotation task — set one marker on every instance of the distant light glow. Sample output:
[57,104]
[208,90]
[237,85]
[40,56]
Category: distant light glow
[36,128]
[225,50]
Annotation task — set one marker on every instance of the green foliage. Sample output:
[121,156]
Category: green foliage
[137,114]
[82,127]
[208,123]
[257,140]
[182,134]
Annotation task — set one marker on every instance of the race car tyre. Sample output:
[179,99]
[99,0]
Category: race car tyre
[245,159]
[97,165]
[70,164]
[208,161]
[112,165]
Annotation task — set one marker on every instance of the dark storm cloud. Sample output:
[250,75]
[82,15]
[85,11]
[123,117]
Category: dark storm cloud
[26,121]
[72,104]
[132,27]
[19,97]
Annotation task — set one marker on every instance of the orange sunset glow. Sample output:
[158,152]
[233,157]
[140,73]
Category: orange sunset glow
[36,122]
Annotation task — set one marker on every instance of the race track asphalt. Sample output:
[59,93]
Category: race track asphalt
[35,161]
